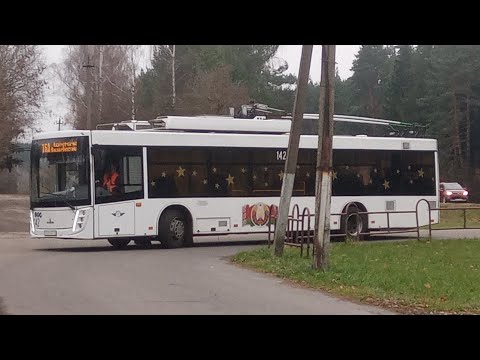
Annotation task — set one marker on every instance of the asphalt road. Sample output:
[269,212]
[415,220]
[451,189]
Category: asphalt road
[50,276]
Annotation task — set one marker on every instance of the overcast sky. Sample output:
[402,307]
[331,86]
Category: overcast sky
[56,105]
[345,54]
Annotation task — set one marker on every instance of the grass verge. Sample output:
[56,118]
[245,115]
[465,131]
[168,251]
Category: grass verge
[438,277]
[455,218]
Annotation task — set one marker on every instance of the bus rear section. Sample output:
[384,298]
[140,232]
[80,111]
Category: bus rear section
[383,178]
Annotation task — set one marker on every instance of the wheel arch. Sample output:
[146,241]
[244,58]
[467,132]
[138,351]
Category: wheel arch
[354,205]
[182,207]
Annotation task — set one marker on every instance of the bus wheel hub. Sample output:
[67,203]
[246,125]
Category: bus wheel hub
[177,228]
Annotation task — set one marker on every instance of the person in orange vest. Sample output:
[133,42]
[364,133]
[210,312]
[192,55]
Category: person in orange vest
[111,180]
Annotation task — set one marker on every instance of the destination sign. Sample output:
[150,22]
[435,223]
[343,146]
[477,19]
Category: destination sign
[60,147]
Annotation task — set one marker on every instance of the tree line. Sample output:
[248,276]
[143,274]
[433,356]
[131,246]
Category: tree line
[432,85]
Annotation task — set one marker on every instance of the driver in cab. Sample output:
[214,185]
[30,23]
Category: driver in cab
[111,180]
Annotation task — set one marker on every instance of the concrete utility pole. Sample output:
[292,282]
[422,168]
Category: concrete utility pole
[59,123]
[88,87]
[100,83]
[292,152]
[323,185]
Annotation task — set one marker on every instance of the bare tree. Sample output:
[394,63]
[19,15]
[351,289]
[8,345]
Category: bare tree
[168,54]
[133,64]
[214,92]
[21,91]
[114,68]
[100,82]
[174,95]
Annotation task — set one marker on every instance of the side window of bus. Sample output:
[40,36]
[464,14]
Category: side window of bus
[229,172]
[380,173]
[177,172]
[118,174]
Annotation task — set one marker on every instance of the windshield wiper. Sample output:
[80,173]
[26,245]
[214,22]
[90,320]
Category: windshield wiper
[68,204]
[61,196]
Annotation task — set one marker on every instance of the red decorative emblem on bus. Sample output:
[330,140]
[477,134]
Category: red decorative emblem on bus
[258,214]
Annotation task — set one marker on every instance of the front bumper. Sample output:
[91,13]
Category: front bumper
[80,228]
[456,198]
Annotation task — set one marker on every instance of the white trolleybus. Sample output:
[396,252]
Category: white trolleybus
[183,177]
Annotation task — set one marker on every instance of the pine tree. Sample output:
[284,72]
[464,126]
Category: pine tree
[371,69]
[400,101]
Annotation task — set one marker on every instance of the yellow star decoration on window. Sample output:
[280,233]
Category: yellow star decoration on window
[281,174]
[386,184]
[421,172]
[164,174]
[180,171]
[230,179]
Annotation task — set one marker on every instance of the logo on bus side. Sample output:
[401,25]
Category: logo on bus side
[258,214]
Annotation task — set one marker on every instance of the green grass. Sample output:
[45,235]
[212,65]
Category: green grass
[454,218]
[442,276]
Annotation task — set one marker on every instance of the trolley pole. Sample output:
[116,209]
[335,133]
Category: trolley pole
[292,151]
[323,184]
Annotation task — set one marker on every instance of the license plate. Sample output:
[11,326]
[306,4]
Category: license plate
[50,233]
